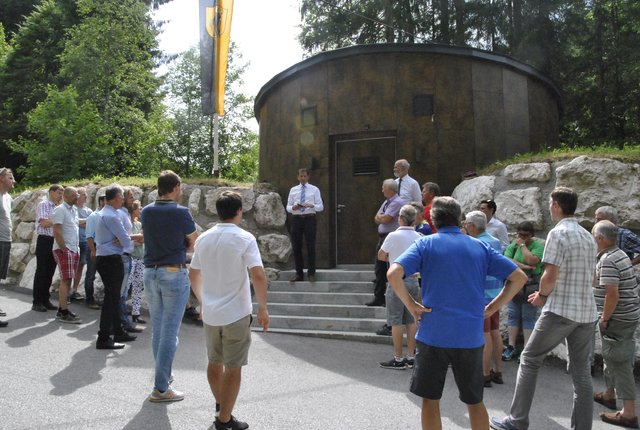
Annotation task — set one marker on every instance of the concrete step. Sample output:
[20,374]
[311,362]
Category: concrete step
[360,325]
[328,311]
[329,334]
[322,286]
[330,298]
[333,275]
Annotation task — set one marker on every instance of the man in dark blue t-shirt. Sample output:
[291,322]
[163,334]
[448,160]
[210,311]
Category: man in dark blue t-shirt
[169,231]
[453,268]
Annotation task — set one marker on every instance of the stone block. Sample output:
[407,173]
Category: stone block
[528,172]
[516,206]
[269,211]
[471,192]
[275,248]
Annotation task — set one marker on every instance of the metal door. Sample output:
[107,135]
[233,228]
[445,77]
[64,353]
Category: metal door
[361,166]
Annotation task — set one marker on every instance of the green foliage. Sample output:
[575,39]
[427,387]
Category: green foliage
[189,146]
[109,60]
[30,66]
[71,140]
[4,46]
[12,12]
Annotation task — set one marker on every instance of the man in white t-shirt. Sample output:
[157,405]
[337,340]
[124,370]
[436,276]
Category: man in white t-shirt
[220,281]
[397,314]
[495,227]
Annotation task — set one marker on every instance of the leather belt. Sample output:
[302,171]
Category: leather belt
[175,266]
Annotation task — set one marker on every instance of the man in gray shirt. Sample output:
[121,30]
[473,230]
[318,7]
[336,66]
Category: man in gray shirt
[6,185]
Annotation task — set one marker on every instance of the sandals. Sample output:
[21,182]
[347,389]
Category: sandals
[609,403]
[618,420]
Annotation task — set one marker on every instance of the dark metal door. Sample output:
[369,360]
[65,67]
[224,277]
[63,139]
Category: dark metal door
[361,166]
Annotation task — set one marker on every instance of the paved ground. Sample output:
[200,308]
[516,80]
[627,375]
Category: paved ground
[54,378]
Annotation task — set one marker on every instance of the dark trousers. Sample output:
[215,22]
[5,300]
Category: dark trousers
[112,272]
[89,278]
[304,226]
[45,269]
[381,268]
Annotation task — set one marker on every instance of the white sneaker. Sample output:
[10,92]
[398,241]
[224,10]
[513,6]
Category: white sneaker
[170,395]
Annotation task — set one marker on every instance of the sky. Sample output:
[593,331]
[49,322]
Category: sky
[265,32]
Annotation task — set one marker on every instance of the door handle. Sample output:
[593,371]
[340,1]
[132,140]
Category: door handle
[340,207]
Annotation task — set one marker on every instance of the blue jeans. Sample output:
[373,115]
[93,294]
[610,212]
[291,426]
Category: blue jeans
[167,293]
[124,288]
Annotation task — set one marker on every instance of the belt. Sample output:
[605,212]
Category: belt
[175,266]
[305,215]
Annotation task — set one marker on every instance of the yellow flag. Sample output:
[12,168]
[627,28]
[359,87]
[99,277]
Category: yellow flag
[223,30]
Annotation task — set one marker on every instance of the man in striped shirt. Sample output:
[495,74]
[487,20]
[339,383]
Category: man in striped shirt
[45,264]
[616,295]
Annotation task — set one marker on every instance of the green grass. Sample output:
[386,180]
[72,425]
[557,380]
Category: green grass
[628,154]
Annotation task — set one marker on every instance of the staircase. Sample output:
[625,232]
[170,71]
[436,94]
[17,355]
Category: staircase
[333,306]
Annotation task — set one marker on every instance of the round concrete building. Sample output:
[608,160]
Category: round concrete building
[348,114]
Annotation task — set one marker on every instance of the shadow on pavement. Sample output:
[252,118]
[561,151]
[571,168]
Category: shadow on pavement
[32,333]
[83,370]
[151,416]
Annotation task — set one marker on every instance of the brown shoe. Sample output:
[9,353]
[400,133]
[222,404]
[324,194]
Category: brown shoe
[609,403]
[496,377]
[618,420]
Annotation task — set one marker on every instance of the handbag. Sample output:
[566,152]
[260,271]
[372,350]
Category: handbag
[531,286]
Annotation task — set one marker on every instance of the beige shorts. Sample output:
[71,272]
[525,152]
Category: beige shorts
[229,344]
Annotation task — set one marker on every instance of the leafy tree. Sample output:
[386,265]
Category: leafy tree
[30,66]
[69,139]
[189,147]
[109,59]
[13,12]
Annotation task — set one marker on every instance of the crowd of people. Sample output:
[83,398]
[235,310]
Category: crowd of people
[443,276]
[136,249]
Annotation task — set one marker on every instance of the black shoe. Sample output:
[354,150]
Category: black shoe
[50,306]
[39,308]
[298,278]
[487,381]
[394,364]
[3,323]
[92,304]
[133,329]
[124,337]
[384,331]
[108,344]
[312,278]
[233,424]
[191,313]
[375,302]
[136,319]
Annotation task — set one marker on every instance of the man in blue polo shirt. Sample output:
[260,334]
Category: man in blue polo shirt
[453,267]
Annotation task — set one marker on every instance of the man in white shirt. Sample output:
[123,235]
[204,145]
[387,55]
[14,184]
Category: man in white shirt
[219,279]
[6,185]
[66,250]
[303,203]
[408,188]
[495,227]
[397,314]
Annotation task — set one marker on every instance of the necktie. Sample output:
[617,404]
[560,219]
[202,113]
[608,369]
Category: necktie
[399,185]
[303,196]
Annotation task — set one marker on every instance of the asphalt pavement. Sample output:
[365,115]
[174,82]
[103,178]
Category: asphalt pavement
[54,378]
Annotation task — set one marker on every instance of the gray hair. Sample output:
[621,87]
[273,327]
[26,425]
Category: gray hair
[607,230]
[408,214]
[609,213]
[477,219]
[390,184]
[445,212]
[418,206]
[404,163]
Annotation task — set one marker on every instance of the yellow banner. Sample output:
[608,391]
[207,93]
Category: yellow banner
[223,27]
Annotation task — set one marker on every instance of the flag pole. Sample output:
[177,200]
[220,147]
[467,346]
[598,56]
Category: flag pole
[216,167]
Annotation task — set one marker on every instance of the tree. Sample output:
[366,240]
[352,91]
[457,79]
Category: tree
[189,146]
[109,59]
[31,64]
[69,139]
